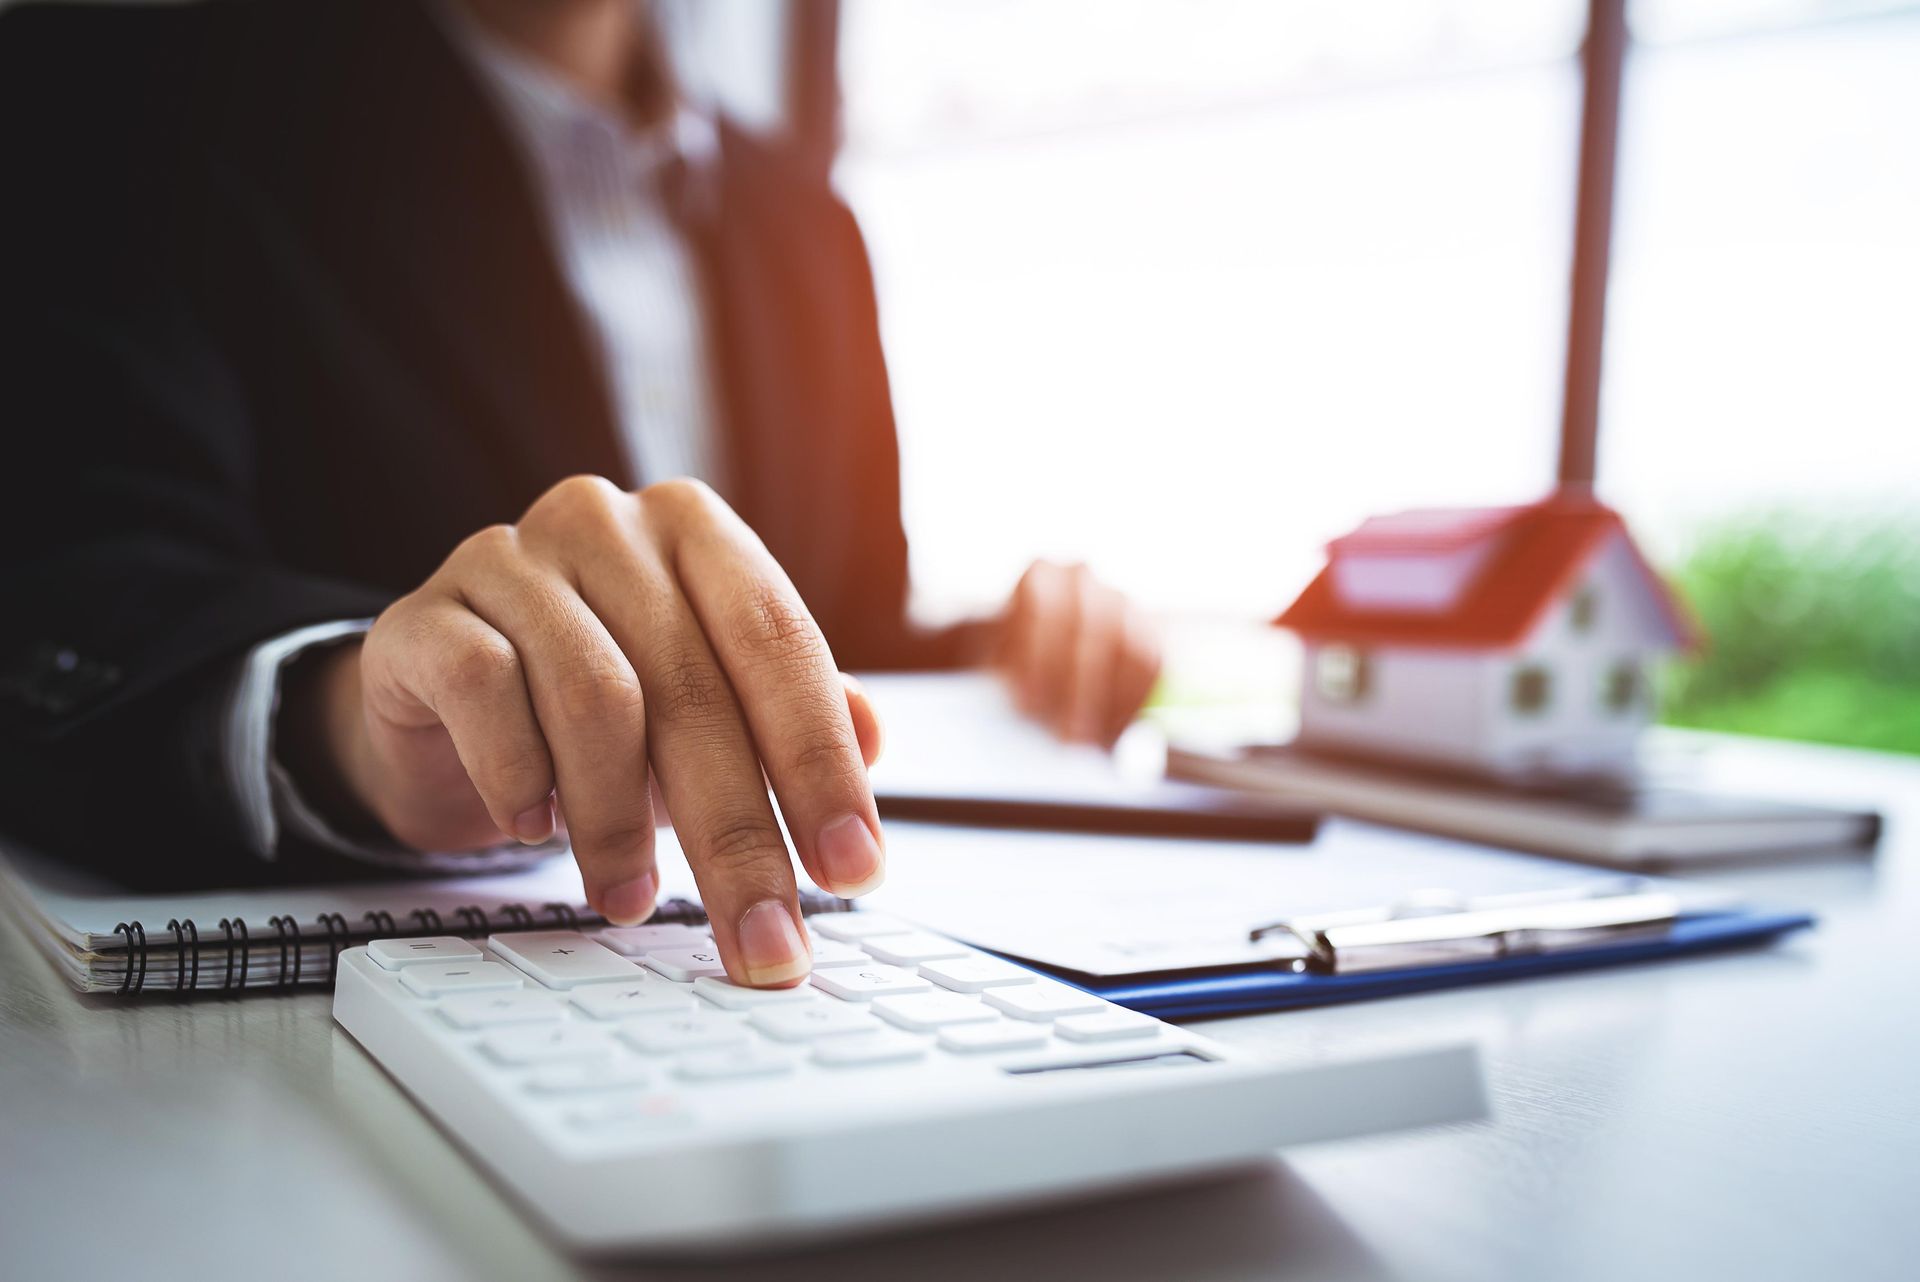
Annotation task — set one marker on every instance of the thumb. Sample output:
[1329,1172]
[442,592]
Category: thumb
[866,722]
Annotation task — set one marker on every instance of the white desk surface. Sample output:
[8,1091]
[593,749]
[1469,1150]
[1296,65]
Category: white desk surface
[1748,1116]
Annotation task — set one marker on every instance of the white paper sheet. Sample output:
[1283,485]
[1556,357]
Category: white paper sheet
[1106,905]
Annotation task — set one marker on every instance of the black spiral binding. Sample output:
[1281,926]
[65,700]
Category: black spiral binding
[290,940]
[183,978]
[338,937]
[227,927]
[135,952]
[239,969]
[286,932]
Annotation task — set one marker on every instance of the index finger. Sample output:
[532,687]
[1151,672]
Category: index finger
[792,695]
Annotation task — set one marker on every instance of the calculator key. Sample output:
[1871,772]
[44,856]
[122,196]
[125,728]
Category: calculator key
[857,984]
[1001,1035]
[850,928]
[820,1019]
[728,995]
[868,1048]
[912,948]
[684,1033]
[562,958]
[649,996]
[925,1012]
[1042,1000]
[396,953]
[587,1079]
[638,941]
[1106,1026]
[745,1061]
[973,973]
[489,1010]
[544,1045]
[828,952]
[686,964]
[443,978]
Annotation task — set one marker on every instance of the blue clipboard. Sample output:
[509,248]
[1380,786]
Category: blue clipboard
[1185,996]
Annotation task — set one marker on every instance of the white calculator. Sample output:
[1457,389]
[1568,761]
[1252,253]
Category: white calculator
[636,1100]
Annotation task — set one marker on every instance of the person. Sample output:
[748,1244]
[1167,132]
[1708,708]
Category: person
[429,431]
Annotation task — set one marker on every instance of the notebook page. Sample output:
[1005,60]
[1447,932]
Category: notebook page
[81,909]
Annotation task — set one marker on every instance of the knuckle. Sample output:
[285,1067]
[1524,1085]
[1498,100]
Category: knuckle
[774,628]
[743,839]
[601,698]
[681,494]
[480,666]
[522,767]
[692,689]
[403,623]
[826,751]
[615,837]
[486,547]
[581,490]
[1047,583]
[579,503]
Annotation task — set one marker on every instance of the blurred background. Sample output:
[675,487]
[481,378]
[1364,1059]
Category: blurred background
[1185,288]
[1225,277]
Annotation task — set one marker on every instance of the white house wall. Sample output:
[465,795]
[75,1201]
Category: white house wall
[1419,703]
[1575,732]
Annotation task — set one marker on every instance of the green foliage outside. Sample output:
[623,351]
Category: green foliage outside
[1813,628]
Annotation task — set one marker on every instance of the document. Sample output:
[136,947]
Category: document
[1113,906]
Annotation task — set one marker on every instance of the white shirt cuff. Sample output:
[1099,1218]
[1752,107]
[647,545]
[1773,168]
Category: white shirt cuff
[253,708]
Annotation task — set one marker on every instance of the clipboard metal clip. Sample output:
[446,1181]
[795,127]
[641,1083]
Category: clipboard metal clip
[1407,939]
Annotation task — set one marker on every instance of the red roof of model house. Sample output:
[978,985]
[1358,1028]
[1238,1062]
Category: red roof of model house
[1473,579]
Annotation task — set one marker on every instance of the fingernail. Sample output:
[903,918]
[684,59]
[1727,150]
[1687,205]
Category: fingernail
[771,949]
[535,824]
[850,857]
[630,902]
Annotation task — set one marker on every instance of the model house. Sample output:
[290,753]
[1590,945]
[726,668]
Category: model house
[1513,641]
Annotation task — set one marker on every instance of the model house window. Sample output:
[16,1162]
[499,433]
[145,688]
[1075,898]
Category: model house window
[1585,605]
[1342,674]
[1620,688]
[1532,687]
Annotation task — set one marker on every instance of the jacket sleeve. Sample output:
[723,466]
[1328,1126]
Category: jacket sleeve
[134,570]
[136,580]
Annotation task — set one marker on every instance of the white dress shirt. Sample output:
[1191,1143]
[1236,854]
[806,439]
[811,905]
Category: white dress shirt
[598,182]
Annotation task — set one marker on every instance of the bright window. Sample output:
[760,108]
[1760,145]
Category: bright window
[1185,288]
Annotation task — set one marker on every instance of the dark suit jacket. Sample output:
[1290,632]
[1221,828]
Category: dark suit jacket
[279,327]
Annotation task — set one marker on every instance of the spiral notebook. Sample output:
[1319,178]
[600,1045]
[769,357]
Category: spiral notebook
[101,939]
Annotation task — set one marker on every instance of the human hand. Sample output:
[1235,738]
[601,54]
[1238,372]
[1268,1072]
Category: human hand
[550,669]
[1078,656]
